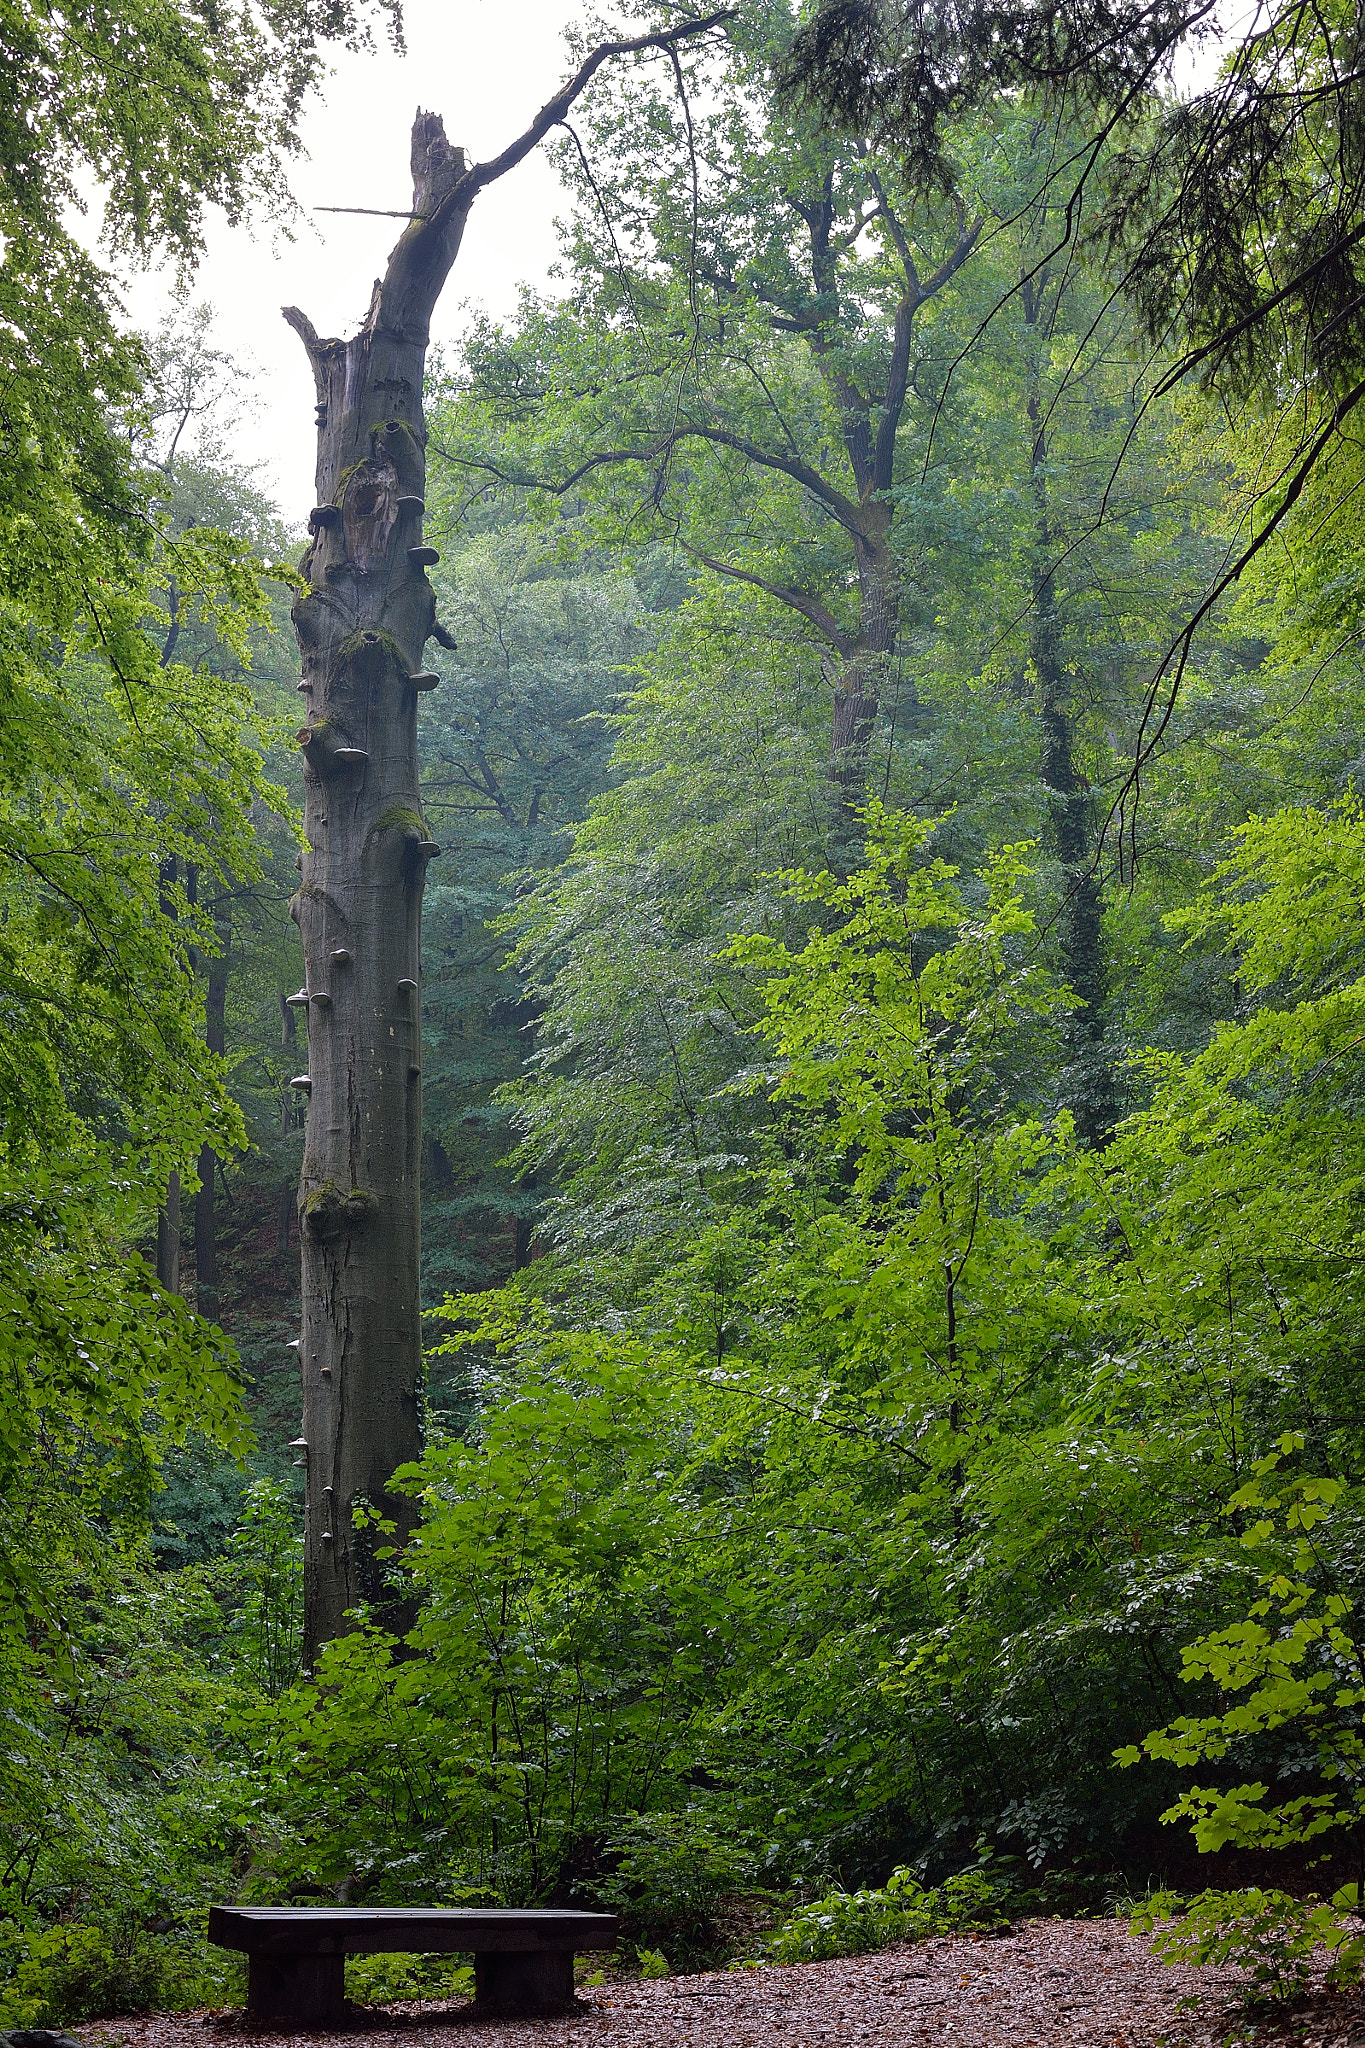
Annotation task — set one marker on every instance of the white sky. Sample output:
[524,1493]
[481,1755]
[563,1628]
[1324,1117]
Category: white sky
[485,66]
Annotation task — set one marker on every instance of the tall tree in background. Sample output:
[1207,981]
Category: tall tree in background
[363,618]
[1234,215]
[777,370]
[756,343]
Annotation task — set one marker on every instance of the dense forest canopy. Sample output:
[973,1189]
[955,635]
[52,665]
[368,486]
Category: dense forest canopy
[893,1133]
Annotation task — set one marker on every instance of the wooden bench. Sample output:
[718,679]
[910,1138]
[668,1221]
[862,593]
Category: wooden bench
[523,1961]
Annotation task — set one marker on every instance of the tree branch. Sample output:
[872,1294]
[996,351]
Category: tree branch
[554,110]
[786,593]
[311,340]
[843,509]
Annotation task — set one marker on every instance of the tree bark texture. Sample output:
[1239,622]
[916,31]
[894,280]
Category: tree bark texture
[860,658]
[168,1236]
[362,623]
[362,620]
[859,686]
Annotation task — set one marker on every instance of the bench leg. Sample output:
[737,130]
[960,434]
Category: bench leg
[309,1991]
[535,1982]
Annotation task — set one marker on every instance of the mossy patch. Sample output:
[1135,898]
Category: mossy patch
[403,819]
[326,1212]
[370,649]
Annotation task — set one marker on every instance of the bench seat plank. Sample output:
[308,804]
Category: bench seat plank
[523,1959]
[426,1930]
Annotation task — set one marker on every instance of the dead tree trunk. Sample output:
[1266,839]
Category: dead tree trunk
[363,620]
[362,623]
[285,1210]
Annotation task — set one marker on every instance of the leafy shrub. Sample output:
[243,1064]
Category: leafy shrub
[383,1979]
[652,1963]
[673,1874]
[1268,1933]
[1299,1662]
[1263,1932]
[850,1923]
[79,1971]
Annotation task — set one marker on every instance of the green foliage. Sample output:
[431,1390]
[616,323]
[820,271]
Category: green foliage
[386,1979]
[512,747]
[850,1923]
[1297,1661]
[1275,1938]
[81,1971]
[670,1878]
[835,1474]
[258,1582]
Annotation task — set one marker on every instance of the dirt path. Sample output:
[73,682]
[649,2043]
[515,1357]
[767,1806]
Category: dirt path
[1050,1984]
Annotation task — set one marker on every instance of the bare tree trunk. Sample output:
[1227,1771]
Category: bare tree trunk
[205,1232]
[168,1236]
[363,620]
[288,1038]
[861,681]
[362,624]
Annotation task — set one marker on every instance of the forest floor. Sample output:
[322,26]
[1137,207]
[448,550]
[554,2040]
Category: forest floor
[1048,1984]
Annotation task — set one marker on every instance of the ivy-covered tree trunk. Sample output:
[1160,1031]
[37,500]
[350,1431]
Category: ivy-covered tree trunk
[1088,1082]
[363,619]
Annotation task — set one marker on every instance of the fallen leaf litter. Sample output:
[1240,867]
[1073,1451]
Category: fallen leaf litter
[1049,1984]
